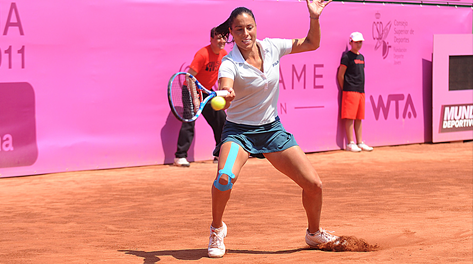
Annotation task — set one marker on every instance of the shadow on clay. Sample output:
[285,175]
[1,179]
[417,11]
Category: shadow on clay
[152,257]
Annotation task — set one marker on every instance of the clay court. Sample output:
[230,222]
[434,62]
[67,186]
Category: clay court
[413,201]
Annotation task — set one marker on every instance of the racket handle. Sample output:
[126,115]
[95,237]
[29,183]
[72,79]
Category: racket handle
[222,93]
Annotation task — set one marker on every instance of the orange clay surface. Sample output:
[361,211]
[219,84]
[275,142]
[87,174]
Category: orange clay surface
[414,202]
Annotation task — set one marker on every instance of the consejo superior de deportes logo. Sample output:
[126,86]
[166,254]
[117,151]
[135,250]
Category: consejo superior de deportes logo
[380,32]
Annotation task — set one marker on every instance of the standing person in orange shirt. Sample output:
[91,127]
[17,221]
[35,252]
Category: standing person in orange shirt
[205,68]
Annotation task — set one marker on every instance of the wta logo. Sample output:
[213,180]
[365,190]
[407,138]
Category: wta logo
[17,125]
[401,104]
[456,118]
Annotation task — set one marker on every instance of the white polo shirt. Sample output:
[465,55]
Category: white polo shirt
[256,92]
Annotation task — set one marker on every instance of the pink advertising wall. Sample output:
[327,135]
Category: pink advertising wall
[452,98]
[83,83]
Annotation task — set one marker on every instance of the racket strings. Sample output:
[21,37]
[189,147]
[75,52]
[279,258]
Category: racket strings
[185,98]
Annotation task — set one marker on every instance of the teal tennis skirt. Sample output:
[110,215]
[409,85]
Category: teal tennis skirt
[257,140]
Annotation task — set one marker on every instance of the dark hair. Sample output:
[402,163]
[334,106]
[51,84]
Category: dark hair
[224,28]
[213,32]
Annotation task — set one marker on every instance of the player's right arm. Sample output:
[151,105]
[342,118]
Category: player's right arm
[225,83]
[341,75]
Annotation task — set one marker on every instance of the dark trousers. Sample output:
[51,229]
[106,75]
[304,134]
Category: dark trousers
[216,120]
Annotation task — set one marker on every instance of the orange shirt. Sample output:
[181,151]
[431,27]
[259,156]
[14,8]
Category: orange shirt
[206,64]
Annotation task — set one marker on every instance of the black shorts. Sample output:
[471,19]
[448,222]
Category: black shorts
[257,140]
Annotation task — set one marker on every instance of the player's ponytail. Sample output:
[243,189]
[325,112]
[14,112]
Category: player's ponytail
[224,28]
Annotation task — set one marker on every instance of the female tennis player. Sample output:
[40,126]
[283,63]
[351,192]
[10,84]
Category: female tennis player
[250,73]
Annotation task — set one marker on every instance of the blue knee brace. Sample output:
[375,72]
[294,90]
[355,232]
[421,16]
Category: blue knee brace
[227,169]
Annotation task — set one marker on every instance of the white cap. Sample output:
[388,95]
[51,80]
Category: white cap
[356,36]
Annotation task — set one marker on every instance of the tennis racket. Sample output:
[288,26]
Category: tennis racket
[187,97]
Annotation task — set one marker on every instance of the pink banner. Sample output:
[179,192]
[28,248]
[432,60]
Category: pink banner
[452,98]
[83,83]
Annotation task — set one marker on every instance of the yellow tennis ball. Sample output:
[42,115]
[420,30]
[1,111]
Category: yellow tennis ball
[218,103]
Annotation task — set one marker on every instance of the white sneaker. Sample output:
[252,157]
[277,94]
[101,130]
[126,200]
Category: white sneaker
[216,246]
[353,147]
[319,237]
[363,146]
[181,162]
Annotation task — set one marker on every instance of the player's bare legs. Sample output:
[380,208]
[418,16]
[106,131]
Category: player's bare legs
[231,159]
[294,163]
[219,198]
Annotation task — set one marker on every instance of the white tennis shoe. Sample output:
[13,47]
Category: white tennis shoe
[365,147]
[353,147]
[216,246]
[181,162]
[319,237]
